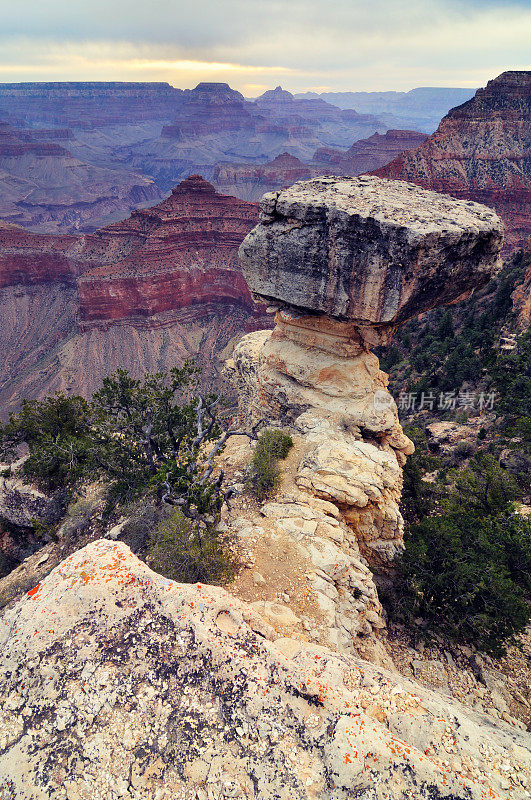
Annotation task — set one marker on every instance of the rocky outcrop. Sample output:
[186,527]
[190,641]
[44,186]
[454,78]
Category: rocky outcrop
[22,505]
[131,684]
[345,261]
[373,252]
[167,280]
[481,152]
[367,154]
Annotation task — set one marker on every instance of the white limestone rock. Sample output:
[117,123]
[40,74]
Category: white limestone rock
[116,682]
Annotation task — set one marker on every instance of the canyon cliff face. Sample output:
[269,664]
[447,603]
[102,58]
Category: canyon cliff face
[45,188]
[367,154]
[119,146]
[145,293]
[522,298]
[216,125]
[481,152]
[89,104]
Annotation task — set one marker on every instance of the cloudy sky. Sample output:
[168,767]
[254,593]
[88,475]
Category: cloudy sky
[256,44]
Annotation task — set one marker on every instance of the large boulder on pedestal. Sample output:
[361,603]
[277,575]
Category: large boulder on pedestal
[369,250]
[346,260]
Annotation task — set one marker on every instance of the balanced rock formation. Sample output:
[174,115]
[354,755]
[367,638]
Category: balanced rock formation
[368,251]
[345,261]
[481,152]
[116,682]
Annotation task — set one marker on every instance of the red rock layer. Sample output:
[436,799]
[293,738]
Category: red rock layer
[252,181]
[180,252]
[28,259]
[144,293]
[481,151]
[368,154]
[16,143]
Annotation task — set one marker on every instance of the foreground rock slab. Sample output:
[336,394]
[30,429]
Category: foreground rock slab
[370,250]
[116,682]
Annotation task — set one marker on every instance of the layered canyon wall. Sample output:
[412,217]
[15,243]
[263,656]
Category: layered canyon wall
[145,293]
[481,151]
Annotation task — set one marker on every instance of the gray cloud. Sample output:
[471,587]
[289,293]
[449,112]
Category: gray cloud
[303,43]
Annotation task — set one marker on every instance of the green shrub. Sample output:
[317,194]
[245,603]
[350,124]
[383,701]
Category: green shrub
[138,436]
[55,431]
[467,577]
[464,450]
[264,473]
[466,567]
[189,552]
[418,496]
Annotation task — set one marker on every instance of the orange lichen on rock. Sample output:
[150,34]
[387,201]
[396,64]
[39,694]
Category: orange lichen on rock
[195,661]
